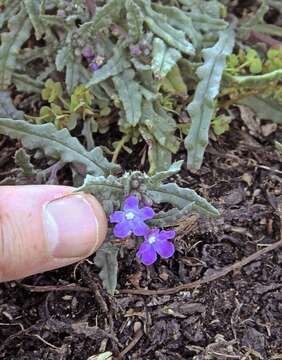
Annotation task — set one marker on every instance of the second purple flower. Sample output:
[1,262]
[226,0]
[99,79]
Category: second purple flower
[131,219]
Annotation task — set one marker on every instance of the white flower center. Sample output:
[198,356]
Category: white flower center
[129,215]
[152,239]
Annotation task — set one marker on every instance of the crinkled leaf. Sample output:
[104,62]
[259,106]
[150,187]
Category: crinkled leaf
[164,58]
[22,159]
[180,20]
[114,66]
[106,189]
[160,125]
[25,83]
[9,11]
[253,81]
[103,17]
[162,175]
[73,75]
[62,58]
[33,11]
[57,144]
[170,217]
[160,26]
[135,20]
[106,260]
[7,108]
[11,42]
[180,198]
[129,93]
[173,83]
[202,107]
[265,107]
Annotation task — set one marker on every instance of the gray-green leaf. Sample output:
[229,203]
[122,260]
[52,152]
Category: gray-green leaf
[164,58]
[202,107]
[57,144]
[106,260]
[129,93]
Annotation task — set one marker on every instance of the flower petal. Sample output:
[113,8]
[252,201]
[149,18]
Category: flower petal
[147,254]
[117,216]
[122,230]
[131,203]
[166,234]
[138,227]
[147,213]
[164,248]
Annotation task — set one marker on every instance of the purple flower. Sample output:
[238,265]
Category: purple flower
[88,52]
[94,66]
[131,219]
[136,51]
[156,242]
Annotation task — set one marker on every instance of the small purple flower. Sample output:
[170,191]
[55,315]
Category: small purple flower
[136,51]
[156,242]
[94,66]
[131,218]
[87,52]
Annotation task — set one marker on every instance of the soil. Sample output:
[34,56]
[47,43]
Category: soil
[66,314]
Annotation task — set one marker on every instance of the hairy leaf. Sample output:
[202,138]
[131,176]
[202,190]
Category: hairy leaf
[173,83]
[129,93]
[265,107]
[114,66]
[33,11]
[103,17]
[56,144]
[9,11]
[106,260]
[253,81]
[202,107]
[25,83]
[22,159]
[164,58]
[135,19]
[11,42]
[180,198]
[180,20]
[7,108]
[159,25]
[170,217]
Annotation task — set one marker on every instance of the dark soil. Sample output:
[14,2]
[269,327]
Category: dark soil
[238,316]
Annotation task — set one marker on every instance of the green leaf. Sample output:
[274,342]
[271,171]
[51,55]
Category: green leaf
[170,217]
[278,146]
[105,189]
[7,108]
[73,75]
[253,81]
[11,42]
[202,107]
[22,159]
[173,83]
[159,25]
[106,260]
[33,11]
[56,144]
[103,17]
[164,58]
[114,66]
[160,125]
[62,58]
[180,20]
[180,198]
[265,107]
[9,11]
[129,93]
[25,83]
[163,175]
[135,20]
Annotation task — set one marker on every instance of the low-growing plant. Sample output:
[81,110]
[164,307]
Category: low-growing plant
[161,74]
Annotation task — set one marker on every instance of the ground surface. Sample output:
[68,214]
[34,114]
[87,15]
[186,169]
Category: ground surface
[237,316]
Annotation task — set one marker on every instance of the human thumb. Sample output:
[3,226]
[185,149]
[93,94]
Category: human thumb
[45,227]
